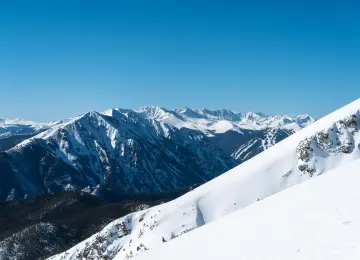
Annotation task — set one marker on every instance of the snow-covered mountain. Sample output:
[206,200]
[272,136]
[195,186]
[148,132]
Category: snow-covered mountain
[18,126]
[219,121]
[326,144]
[120,150]
[14,131]
[318,219]
[146,150]
[240,135]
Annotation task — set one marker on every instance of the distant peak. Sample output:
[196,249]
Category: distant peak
[152,111]
[17,121]
[149,108]
[90,115]
[226,114]
[114,111]
[188,112]
[305,116]
[183,110]
[254,116]
[109,112]
[261,114]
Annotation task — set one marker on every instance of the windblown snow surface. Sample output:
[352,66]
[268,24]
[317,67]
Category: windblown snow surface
[318,148]
[318,219]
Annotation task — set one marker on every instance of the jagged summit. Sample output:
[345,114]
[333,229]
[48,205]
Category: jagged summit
[188,112]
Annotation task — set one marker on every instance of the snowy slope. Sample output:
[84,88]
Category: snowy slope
[319,219]
[320,147]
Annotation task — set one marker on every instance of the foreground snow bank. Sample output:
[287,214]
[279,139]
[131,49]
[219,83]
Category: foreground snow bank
[318,219]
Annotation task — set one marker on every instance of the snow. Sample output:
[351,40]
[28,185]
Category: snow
[17,126]
[276,169]
[223,126]
[220,121]
[18,121]
[245,149]
[207,121]
[308,221]
[293,126]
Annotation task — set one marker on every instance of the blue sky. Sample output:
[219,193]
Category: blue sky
[62,58]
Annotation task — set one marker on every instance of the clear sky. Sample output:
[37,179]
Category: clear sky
[62,58]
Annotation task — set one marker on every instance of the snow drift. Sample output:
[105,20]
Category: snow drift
[318,219]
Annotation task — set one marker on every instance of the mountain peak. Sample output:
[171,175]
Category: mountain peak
[152,112]
[221,114]
[188,112]
[253,116]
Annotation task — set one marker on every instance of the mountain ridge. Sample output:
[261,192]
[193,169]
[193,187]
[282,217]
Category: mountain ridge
[146,150]
[95,148]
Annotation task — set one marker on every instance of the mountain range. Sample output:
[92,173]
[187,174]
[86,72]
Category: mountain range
[330,145]
[150,149]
